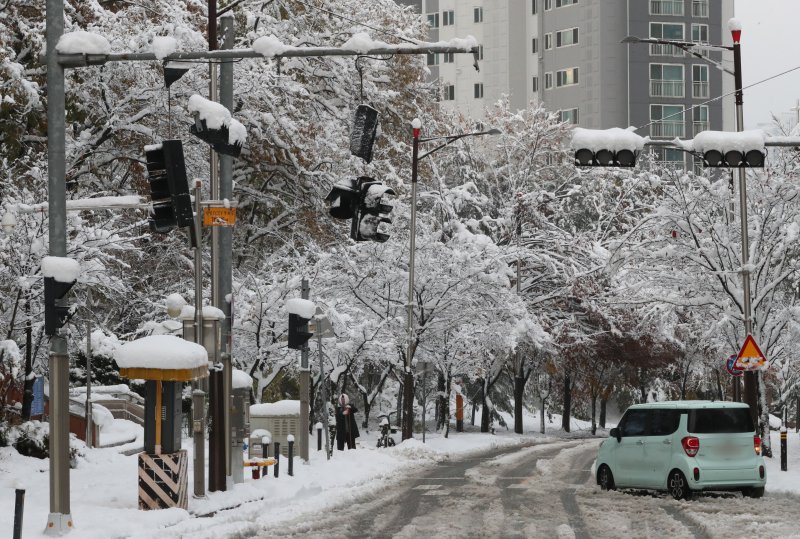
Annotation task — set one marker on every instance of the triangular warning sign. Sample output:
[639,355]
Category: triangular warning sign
[750,356]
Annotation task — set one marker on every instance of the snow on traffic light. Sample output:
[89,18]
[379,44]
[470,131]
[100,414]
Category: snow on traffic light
[613,147]
[60,275]
[729,149]
[300,312]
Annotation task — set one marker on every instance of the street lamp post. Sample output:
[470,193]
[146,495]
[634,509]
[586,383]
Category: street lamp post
[751,379]
[408,380]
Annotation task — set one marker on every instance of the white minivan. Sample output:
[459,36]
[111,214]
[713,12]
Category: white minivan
[684,446]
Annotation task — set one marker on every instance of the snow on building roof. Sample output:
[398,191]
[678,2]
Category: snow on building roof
[63,270]
[82,42]
[240,379]
[614,139]
[301,307]
[160,352]
[284,407]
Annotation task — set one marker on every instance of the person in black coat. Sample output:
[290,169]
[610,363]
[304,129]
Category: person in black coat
[346,424]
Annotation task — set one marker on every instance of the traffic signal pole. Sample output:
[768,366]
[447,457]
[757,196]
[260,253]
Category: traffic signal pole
[408,379]
[59,520]
[305,375]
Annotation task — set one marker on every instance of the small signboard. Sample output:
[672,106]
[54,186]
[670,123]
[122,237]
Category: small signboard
[750,357]
[730,366]
[213,216]
[37,404]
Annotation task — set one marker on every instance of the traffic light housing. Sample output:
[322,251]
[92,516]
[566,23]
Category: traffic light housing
[169,188]
[371,211]
[343,199]
[365,127]
[741,149]
[298,331]
[585,157]
[56,307]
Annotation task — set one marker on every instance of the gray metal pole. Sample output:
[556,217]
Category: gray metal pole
[59,520]
[519,380]
[199,434]
[224,234]
[323,389]
[408,381]
[89,440]
[304,383]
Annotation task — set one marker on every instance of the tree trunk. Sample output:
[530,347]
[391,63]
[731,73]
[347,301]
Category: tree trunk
[367,406]
[519,389]
[484,409]
[448,388]
[719,386]
[473,413]
[442,400]
[764,419]
[565,417]
[797,414]
[541,414]
[594,413]
[642,389]
[603,405]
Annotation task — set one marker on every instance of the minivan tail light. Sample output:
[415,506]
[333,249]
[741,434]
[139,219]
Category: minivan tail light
[757,445]
[691,445]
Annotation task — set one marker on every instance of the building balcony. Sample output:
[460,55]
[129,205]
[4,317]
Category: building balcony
[699,8]
[659,49]
[666,88]
[700,90]
[666,7]
[667,129]
[697,127]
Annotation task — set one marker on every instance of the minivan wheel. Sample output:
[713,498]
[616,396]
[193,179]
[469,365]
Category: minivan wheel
[605,478]
[753,492]
[677,486]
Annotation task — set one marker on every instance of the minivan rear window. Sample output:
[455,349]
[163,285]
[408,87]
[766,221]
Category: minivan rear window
[720,420]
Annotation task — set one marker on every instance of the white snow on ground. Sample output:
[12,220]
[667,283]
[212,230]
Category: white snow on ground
[104,485]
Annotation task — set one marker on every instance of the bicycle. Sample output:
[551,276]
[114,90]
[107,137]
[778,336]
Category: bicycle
[385,440]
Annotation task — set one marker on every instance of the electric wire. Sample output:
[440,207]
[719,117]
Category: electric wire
[334,14]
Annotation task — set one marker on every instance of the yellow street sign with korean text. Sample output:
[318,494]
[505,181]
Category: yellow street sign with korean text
[219,216]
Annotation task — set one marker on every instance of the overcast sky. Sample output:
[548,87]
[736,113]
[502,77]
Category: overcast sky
[770,45]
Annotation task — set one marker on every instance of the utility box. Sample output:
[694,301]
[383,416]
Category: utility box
[280,418]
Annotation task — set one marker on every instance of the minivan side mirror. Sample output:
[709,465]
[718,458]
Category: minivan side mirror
[614,433]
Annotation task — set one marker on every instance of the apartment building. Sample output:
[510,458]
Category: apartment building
[568,54]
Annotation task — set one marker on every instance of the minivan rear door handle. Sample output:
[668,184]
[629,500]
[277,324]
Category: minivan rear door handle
[639,442]
[668,442]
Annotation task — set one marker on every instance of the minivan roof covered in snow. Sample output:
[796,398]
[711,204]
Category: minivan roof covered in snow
[688,405]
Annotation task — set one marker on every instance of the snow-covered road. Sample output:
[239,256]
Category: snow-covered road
[543,491]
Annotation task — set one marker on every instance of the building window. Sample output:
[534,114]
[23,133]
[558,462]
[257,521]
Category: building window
[548,81]
[448,18]
[433,58]
[449,92]
[534,11]
[562,3]
[535,84]
[666,7]
[548,41]
[480,52]
[699,33]
[567,77]
[667,121]
[699,119]
[665,30]
[700,88]
[448,57]
[569,116]
[479,90]
[548,5]
[565,38]
[699,8]
[666,80]
[433,20]
[478,14]
[535,45]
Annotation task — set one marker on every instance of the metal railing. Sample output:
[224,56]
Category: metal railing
[121,409]
[666,88]
[667,129]
[660,49]
[699,8]
[666,7]
[697,127]
[700,90]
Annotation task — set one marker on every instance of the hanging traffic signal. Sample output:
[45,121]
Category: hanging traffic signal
[169,188]
[362,137]
[741,149]
[613,147]
[371,211]
[298,331]
[605,158]
[343,199]
[56,307]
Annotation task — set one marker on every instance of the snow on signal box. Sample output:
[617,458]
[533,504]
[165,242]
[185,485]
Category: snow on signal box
[750,356]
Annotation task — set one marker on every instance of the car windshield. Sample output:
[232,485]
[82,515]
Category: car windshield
[720,420]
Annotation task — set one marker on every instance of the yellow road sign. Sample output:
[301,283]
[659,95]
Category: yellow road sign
[219,216]
[750,356]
